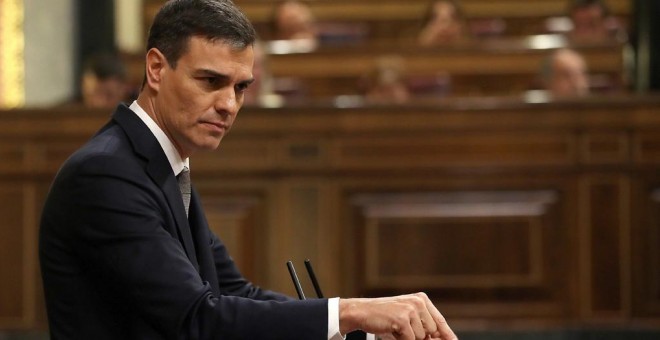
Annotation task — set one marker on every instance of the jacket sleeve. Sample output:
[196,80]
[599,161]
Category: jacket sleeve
[230,280]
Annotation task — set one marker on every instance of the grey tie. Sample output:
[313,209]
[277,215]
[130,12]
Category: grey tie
[184,185]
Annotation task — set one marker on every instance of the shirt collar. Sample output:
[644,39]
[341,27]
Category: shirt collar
[172,154]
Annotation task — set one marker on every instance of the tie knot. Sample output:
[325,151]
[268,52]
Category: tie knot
[184,180]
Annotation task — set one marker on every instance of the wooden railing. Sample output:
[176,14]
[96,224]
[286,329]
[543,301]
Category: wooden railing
[505,67]
[508,214]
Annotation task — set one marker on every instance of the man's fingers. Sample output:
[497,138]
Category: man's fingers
[428,322]
[445,332]
[417,326]
[403,332]
[443,329]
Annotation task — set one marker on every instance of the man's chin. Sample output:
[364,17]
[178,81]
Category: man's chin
[210,146]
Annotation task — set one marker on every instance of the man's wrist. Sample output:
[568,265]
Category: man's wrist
[349,317]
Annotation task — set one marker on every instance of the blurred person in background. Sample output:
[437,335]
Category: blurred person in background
[293,20]
[385,83]
[592,22]
[103,82]
[565,75]
[444,22]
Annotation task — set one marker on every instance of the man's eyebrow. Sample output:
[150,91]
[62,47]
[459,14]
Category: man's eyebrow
[247,82]
[212,73]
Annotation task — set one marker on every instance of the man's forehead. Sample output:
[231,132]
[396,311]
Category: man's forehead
[199,46]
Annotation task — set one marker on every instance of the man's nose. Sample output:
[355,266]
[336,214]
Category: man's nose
[226,101]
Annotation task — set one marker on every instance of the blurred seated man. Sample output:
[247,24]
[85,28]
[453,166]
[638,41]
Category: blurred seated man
[565,75]
[294,20]
[592,22]
[104,82]
[444,23]
[385,83]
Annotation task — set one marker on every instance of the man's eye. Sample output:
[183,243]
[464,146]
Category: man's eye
[242,87]
[211,80]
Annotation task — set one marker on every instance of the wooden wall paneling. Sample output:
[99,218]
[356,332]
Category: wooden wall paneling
[306,228]
[329,266]
[251,153]
[41,187]
[20,305]
[646,147]
[13,157]
[646,245]
[293,213]
[237,211]
[460,149]
[605,147]
[30,252]
[605,247]
[468,248]
[304,152]
[12,255]
[235,219]
[49,155]
[305,209]
[285,188]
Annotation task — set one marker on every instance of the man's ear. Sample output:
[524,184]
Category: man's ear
[156,63]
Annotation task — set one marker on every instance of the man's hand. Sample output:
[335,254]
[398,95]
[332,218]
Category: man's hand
[404,317]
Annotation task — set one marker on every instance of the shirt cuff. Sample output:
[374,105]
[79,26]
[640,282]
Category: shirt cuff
[333,320]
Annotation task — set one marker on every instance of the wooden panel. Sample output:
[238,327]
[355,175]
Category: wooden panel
[237,219]
[605,148]
[48,155]
[12,156]
[607,248]
[646,147]
[467,149]
[465,69]
[40,320]
[239,153]
[514,246]
[466,246]
[12,257]
[454,60]
[646,248]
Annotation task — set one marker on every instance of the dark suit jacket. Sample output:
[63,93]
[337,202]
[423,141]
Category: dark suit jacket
[120,260]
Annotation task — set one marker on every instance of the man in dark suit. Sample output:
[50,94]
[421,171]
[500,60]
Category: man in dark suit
[125,249]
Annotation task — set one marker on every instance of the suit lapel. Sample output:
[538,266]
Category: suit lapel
[172,193]
[202,239]
[159,169]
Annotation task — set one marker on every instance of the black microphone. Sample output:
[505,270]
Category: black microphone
[355,335]
[315,282]
[296,282]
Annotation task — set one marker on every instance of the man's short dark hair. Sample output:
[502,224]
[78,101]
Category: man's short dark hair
[179,20]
